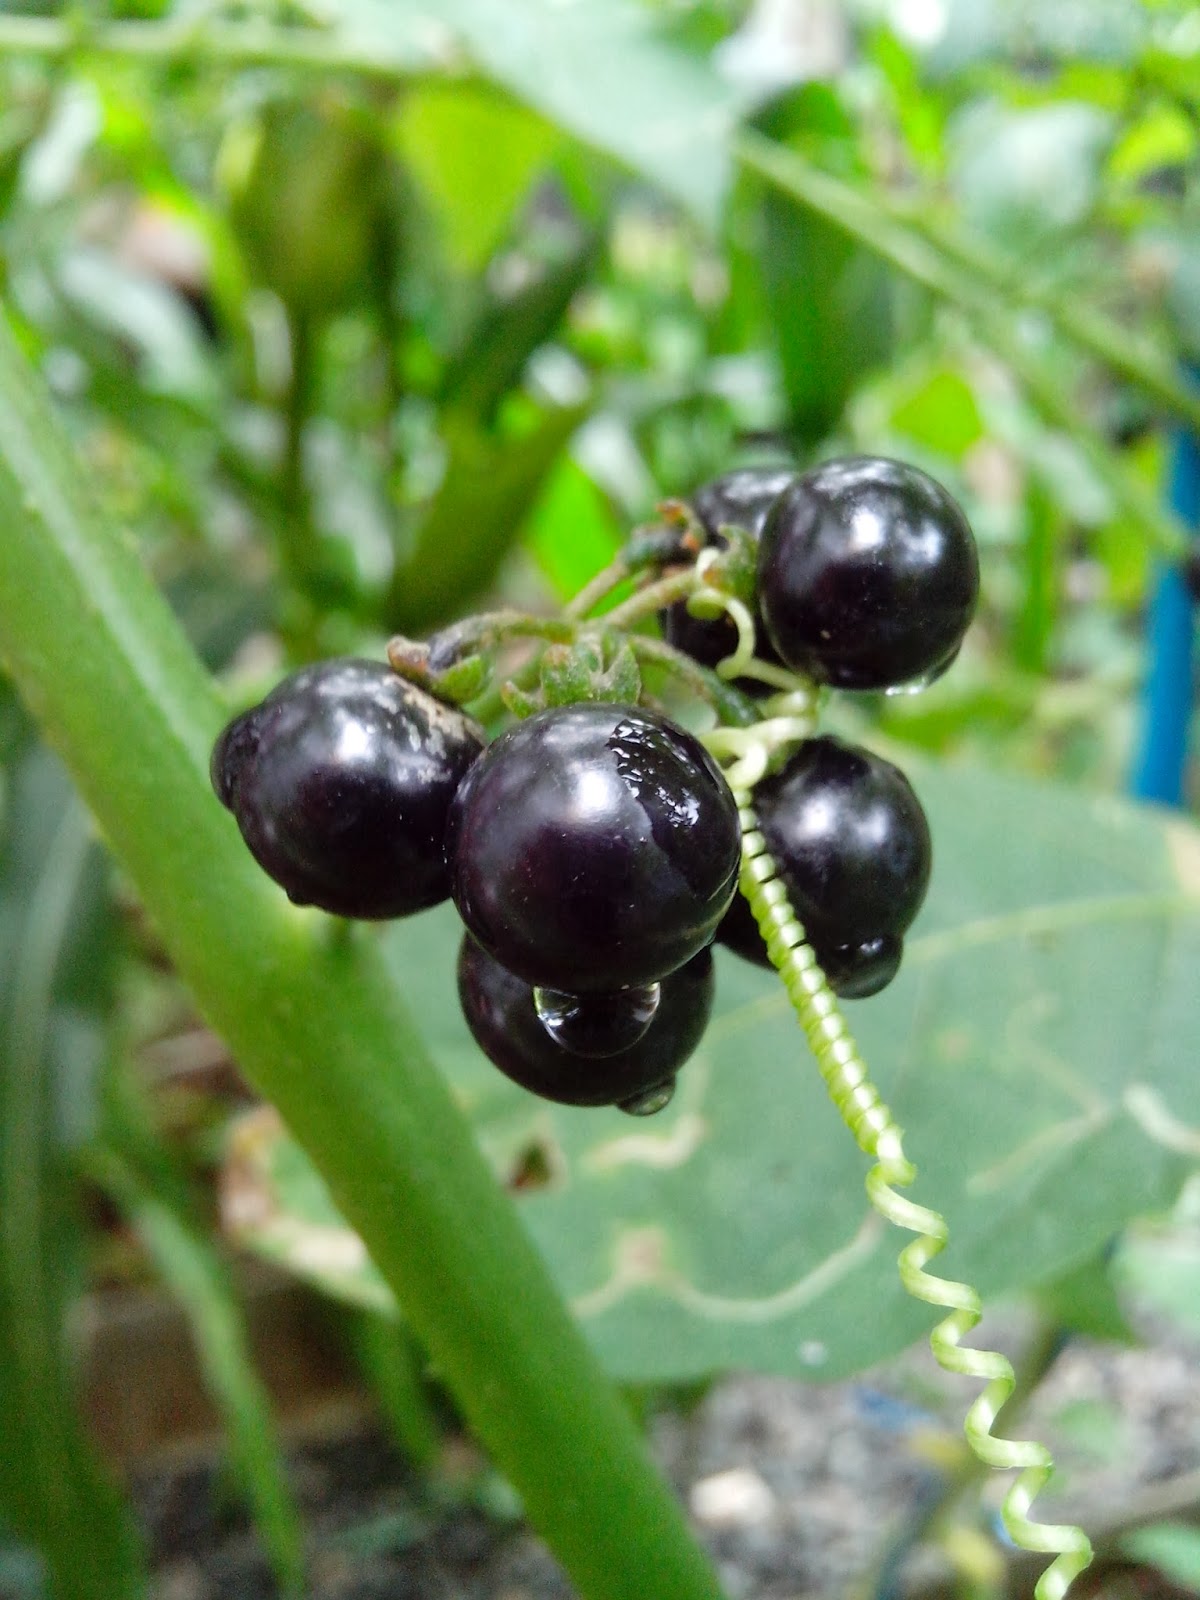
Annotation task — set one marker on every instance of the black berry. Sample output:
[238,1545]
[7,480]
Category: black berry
[341,781]
[852,846]
[500,1011]
[1191,572]
[867,574]
[740,499]
[593,847]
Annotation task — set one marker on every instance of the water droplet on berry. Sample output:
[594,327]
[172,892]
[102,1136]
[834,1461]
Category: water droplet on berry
[913,686]
[923,679]
[597,1025]
[650,1100]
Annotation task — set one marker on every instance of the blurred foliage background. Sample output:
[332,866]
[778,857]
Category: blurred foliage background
[361,314]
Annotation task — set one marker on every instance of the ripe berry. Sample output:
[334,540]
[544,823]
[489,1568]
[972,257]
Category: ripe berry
[740,499]
[500,1011]
[852,846]
[341,781]
[593,847]
[867,574]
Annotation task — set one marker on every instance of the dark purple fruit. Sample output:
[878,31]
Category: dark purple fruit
[740,499]
[867,574]
[500,1011]
[593,847]
[852,846]
[341,782]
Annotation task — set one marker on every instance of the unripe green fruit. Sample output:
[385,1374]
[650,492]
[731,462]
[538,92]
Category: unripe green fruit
[303,185]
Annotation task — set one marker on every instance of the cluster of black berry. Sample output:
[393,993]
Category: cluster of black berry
[593,849]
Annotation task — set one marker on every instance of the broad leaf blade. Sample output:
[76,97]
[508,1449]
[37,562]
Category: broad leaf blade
[606,73]
[1038,1049]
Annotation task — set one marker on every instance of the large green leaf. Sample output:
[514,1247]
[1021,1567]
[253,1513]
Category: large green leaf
[55,974]
[605,72]
[1038,1047]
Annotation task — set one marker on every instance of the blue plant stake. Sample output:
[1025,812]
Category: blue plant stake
[1161,761]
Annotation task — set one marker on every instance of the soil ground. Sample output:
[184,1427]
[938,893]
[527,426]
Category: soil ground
[798,1490]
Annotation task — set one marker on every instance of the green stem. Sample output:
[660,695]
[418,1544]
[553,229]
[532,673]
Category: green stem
[653,598]
[867,220]
[208,42]
[296,542]
[961,271]
[599,588]
[316,1024]
[732,707]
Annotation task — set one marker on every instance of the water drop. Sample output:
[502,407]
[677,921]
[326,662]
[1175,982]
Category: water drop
[597,1025]
[922,680]
[649,1101]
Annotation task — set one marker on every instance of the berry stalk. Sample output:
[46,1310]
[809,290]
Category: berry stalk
[867,1117]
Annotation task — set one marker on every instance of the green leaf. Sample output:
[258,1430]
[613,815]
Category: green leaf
[55,940]
[1023,175]
[572,531]
[475,156]
[509,329]
[1084,1300]
[1037,1048]
[488,487]
[1161,1267]
[141,1177]
[1172,1547]
[606,73]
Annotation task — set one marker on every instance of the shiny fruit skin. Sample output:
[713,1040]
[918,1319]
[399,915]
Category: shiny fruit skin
[341,782]
[852,845]
[499,1009]
[594,847]
[738,499]
[868,574]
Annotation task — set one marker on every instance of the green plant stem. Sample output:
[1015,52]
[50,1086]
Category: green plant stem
[296,541]
[866,219]
[315,1022]
[733,708]
[207,42]
[960,271]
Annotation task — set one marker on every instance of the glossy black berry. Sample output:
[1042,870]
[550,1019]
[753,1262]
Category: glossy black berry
[593,847]
[867,574]
[852,845]
[341,781]
[740,499]
[500,1011]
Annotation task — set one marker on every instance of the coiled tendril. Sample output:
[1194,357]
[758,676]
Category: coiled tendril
[791,717]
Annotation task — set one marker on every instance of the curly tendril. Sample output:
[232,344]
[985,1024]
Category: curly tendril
[876,1133]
